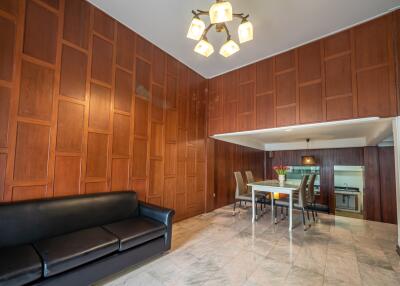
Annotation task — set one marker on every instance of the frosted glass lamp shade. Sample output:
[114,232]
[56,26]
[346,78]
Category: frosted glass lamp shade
[229,48]
[204,48]
[245,32]
[196,29]
[220,12]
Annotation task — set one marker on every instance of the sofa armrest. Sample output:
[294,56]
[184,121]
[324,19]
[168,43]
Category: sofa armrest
[160,214]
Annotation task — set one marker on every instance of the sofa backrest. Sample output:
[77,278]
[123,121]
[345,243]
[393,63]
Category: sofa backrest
[29,221]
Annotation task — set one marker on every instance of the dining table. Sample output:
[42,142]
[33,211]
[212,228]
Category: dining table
[272,187]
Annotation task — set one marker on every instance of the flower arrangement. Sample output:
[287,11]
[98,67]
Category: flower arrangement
[280,170]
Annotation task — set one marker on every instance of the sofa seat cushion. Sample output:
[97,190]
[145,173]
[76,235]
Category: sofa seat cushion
[19,265]
[135,231]
[70,250]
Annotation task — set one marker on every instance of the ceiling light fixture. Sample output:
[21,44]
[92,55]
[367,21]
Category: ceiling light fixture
[220,13]
[308,160]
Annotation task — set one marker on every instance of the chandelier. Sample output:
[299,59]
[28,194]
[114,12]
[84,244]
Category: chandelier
[220,13]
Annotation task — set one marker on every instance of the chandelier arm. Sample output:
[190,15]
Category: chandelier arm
[206,31]
[227,31]
[201,12]
[241,16]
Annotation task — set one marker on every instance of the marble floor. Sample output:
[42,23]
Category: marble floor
[220,249]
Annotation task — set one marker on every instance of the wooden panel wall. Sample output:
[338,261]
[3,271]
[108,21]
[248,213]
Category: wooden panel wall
[351,74]
[380,187]
[227,158]
[86,105]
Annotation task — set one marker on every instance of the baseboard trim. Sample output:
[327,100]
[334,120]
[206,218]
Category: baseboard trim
[398,249]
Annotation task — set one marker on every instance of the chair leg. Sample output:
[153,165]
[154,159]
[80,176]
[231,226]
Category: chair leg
[308,215]
[234,207]
[240,204]
[304,219]
[316,213]
[313,215]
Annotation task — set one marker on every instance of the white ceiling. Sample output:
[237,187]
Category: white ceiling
[279,25]
[338,134]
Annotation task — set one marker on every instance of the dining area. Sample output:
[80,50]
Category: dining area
[286,197]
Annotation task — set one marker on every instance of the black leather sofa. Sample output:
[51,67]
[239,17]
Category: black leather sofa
[79,240]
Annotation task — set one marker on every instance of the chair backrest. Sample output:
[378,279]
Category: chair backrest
[240,186]
[310,189]
[302,191]
[249,177]
[29,221]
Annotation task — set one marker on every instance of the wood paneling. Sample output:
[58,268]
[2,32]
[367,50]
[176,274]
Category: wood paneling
[156,178]
[309,62]
[125,47]
[371,83]
[157,103]
[372,198]
[143,48]
[73,73]
[338,76]
[67,176]
[120,174]
[36,91]
[141,116]
[7,42]
[71,121]
[40,37]
[120,135]
[70,127]
[228,158]
[265,76]
[387,185]
[139,158]
[97,155]
[156,145]
[371,43]
[337,43]
[5,96]
[158,66]
[29,193]
[142,79]
[339,108]
[31,152]
[246,97]
[172,89]
[347,75]
[100,102]
[102,59]
[103,24]
[286,116]
[310,103]
[10,6]
[247,73]
[3,166]
[286,88]
[265,111]
[76,22]
[123,91]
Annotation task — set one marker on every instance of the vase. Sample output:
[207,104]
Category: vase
[281,178]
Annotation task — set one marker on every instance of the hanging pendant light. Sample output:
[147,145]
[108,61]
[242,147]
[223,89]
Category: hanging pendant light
[229,48]
[308,160]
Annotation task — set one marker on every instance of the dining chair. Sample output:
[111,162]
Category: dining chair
[241,192]
[311,196]
[299,201]
[265,197]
